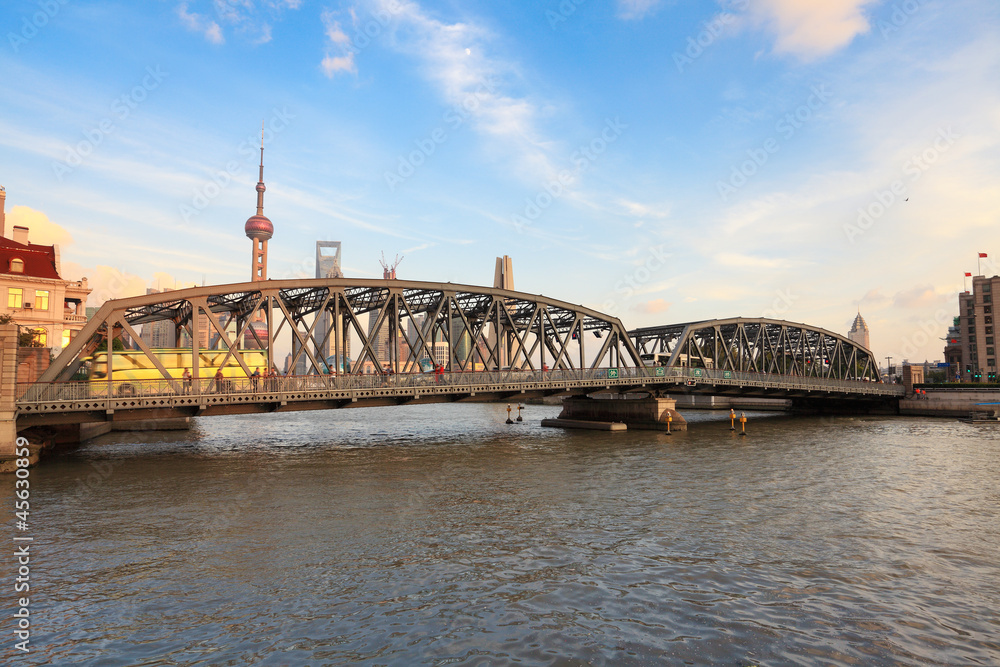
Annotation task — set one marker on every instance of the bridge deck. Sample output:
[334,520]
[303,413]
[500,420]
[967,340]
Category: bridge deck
[72,402]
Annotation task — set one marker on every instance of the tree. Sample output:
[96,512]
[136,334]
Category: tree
[118,345]
[28,338]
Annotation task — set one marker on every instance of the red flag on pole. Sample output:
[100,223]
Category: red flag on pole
[982,254]
[968,274]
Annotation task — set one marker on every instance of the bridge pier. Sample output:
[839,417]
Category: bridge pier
[648,413]
[8,389]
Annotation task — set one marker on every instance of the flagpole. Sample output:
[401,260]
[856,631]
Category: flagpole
[979,261]
[965,282]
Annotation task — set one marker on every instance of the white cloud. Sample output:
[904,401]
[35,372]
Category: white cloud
[652,306]
[200,23]
[453,56]
[811,29]
[636,9]
[41,230]
[337,40]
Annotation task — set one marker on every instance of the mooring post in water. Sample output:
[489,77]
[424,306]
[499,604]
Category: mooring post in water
[669,419]
[509,420]
[519,417]
[743,423]
[732,419]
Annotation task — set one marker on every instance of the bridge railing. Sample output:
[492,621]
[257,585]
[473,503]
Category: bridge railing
[778,381]
[82,391]
[101,389]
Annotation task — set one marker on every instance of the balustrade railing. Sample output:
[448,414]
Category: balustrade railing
[82,391]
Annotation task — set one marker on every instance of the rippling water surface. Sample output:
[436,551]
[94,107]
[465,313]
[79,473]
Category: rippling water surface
[439,535]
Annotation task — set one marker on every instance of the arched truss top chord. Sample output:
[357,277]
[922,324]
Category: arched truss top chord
[464,327]
[759,345]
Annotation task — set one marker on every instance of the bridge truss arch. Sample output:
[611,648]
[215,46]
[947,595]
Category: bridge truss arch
[759,345]
[464,327]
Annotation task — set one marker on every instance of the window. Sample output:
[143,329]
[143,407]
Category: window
[991,362]
[66,337]
[17,266]
[41,299]
[988,320]
[987,298]
[15,297]
[989,330]
[989,340]
[988,310]
[40,337]
[989,350]
[986,288]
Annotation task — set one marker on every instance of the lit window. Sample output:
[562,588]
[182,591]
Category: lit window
[40,337]
[15,297]
[17,266]
[66,337]
[41,299]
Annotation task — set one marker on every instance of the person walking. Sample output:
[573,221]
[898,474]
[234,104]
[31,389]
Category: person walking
[218,381]
[255,380]
[186,376]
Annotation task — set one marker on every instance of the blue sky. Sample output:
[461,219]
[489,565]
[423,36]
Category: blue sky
[662,161]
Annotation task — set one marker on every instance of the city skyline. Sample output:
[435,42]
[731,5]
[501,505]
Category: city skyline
[659,163]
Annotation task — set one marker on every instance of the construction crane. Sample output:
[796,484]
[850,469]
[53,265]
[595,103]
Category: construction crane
[389,271]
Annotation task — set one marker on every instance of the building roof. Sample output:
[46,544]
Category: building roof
[859,324]
[39,260]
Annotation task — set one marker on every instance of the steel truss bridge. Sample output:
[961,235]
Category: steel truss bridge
[493,344]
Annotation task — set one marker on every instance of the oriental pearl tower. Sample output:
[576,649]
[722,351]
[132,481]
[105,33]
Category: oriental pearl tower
[258,228]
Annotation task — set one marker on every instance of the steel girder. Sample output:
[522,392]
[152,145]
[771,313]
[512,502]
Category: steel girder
[759,346]
[492,327]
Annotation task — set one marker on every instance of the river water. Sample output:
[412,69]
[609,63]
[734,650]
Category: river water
[439,535]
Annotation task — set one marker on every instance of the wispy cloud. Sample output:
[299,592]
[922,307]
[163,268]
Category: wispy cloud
[250,18]
[454,57]
[200,23]
[636,9]
[338,41]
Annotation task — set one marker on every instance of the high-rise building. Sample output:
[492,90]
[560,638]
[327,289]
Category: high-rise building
[328,254]
[859,332]
[975,328]
[161,333]
[953,351]
[503,278]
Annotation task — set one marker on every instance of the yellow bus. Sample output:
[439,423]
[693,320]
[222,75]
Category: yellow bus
[135,365]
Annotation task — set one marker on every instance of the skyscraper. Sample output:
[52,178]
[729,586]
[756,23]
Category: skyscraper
[328,266]
[859,332]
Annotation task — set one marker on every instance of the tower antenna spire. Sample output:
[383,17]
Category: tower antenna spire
[258,228]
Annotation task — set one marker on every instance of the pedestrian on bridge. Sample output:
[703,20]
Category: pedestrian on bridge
[255,379]
[218,381]
[186,377]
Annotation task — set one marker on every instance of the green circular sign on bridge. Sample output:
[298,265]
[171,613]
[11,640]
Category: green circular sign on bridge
[659,371]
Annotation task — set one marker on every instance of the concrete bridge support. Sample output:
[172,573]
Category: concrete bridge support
[648,413]
[8,388]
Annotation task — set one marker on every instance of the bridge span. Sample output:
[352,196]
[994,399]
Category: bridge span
[493,344]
